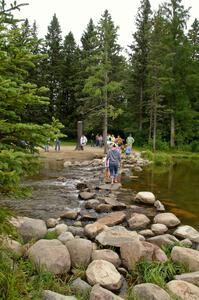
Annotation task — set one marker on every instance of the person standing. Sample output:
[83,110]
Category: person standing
[130,140]
[57,144]
[83,141]
[114,158]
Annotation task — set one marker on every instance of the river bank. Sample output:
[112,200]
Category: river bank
[107,234]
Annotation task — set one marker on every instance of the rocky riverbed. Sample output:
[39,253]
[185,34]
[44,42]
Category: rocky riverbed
[107,232]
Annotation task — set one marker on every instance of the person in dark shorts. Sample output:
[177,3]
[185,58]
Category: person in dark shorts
[114,158]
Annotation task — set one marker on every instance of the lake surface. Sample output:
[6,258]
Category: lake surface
[176,186]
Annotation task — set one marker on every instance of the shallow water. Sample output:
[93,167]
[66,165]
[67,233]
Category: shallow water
[176,186]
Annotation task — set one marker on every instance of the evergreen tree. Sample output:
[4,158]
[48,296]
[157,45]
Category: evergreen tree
[104,84]
[139,59]
[70,83]
[18,139]
[53,65]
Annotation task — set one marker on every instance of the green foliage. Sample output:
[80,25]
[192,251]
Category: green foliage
[157,273]
[158,158]
[51,235]
[5,225]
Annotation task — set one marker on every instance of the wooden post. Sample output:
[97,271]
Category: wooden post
[79,134]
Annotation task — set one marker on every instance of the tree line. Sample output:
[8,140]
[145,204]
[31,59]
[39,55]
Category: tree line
[48,84]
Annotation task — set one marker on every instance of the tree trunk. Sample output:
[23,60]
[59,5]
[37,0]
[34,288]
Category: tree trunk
[79,134]
[150,125]
[140,108]
[105,127]
[172,135]
[154,126]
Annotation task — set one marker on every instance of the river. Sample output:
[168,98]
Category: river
[176,186]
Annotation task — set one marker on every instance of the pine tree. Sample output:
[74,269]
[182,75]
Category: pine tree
[18,139]
[137,86]
[53,65]
[104,84]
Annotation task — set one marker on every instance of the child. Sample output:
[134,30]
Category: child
[128,151]
[106,165]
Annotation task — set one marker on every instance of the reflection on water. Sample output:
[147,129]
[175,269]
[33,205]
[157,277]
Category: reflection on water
[176,186]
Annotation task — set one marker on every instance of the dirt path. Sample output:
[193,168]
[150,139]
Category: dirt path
[69,153]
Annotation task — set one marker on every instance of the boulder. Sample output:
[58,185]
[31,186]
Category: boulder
[168,219]
[164,239]
[86,195]
[147,233]
[69,214]
[150,291]
[60,228]
[80,251]
[145,197]
[138,221]
[183,289]
[116,205]
[108,255]
[76,231]
[88,216]
[65,237]
[99,293]
[32,229]
[80,286]
[189,277]
[12,246]
[132,252]
[159,228]
[51,255]
[92,203]
[187,232]
[159,206]
[49,295]
[186,256]
[104,273]
[67,163]
[116,236]
[103,207]
[112,218]
[51,222]
[91,230]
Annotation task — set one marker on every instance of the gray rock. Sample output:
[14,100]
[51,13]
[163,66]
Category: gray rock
[80,251]
[186,243]
[86,195]
[112,218]
[116,236]
[11,245]
[159,206]
[159,228]
[108,255]
[187,232]
[112,187]
[69,214]
[51,255]
[99,293]
[149,291]
[164,239]
[51,222]
[116,205]
[183,289]
[147,233]
[65,237]
[168,219]
[132,252]
[189,277]
[104,273]
[102,207]
[186,256]
[91,230]
[91,203]
[49,295]
[138,221]
[80,286]
[145,197]
[60,228]
[76,231]
[32,229]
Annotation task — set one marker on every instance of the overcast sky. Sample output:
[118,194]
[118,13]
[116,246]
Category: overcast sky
[74,15]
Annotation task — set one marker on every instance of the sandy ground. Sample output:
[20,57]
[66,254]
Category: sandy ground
[69,153]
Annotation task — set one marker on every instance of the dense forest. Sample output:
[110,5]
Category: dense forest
[48,84]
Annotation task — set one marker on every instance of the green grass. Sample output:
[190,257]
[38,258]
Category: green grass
[155,272]
[51,235]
